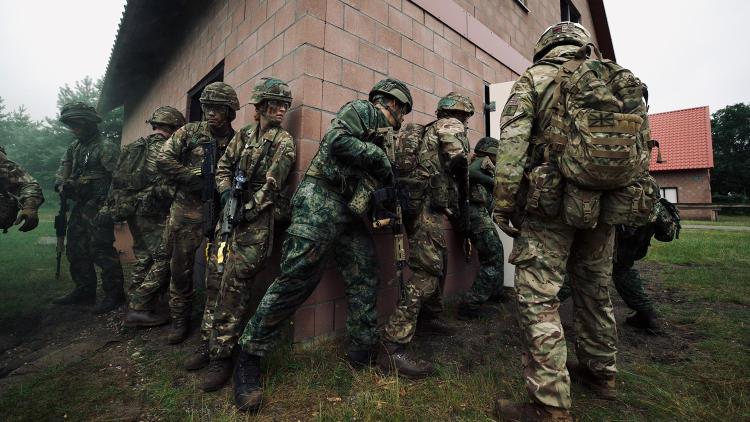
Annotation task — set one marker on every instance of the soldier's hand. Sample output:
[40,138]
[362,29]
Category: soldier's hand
[384,172]
[29,218]
[503,222]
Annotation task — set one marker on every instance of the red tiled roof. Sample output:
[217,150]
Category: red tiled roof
[685,139]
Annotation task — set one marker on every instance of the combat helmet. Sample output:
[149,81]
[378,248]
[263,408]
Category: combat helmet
[561,33]
[270,89]
[166,115]
[79,112]
[457,102]
[220,93]
[486,145]
[394,88]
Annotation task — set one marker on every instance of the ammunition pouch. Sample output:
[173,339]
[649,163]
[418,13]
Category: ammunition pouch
[441,197]
[545,191]
[631,205]
[581,207]
[363,196]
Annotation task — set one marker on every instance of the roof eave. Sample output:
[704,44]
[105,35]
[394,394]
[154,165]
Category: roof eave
[601,29]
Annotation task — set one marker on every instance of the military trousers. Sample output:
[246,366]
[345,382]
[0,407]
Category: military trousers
[322,226]
[543,253]
[629,286]
[427,251]
[245,256]
[150,271]
[182,240]
[486,240]
[90,245]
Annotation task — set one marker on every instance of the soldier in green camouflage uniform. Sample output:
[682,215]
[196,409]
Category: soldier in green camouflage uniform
[631,244]
[142,197]
[265,154]
[482,232]
[323,227]
[84,176]
[442,162]
[181,160]
[18,190]
[547,248]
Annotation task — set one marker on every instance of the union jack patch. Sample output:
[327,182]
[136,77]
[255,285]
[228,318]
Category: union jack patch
[601,119]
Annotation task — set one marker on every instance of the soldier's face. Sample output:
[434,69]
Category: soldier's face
[274,111]
[394,112]
[216,115]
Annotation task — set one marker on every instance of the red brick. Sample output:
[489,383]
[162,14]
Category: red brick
[394,3]
[273,51]
[335,13]
[433,62]
[452,72]
[310,61]
[312,92]
[325,121]
[304,323]
[283,18]
[310,124]
[488,73]
[334,96]
[341,43]
[460,57]
[332,68]
[357,4]
[413,11]
[442,86]
[316,8]
[284,69]
[412,51]
[388,39]
[452,36]
[400,22]
[274,6]
[376,9]
[434,24]
[356,77]
[324,313]
[265,33]
[442,47]
[470,82]
[359,24]
[424,36]
[424,79]
[238,13]
[400,69]
[373,57]
[475,66]
[306,150]
[241,53]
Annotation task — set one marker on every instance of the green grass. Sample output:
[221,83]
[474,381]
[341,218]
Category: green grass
[724,220]
[700,371]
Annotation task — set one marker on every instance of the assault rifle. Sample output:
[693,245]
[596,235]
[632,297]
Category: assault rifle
[61,226]
[208,195]
[230,218]
[387,210]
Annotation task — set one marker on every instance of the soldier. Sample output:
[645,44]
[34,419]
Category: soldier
[631,244]
[143,197]
[548,246]
[324,226]
[188,160]
[84,176]
[442,162]
[18,190]
[258,161]
[484,237]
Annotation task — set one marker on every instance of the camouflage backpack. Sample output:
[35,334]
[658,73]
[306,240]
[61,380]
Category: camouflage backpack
[408,142]
[129,178]
[598,122]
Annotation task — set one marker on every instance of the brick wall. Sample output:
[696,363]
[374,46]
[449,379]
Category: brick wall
[693,186]
[333,51]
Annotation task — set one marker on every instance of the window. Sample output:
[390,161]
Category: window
[670,194]
[568,12]
[194,113]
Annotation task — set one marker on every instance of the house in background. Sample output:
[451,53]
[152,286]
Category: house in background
[688,157]
[331,52]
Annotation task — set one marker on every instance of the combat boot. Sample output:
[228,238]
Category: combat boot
[199,359]
[469,312]
[434,326]
[109,303]
[145,318]
[604,388]
[219,371]
[506,410]
[359,359]
[645,320]
[395,357]
[179,329]
[76,297]
[248,393]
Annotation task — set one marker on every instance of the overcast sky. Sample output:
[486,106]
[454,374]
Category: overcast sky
[690,53]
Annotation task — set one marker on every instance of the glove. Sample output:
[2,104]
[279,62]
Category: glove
[103,218]
[502,219]
[225,197]
[30,219]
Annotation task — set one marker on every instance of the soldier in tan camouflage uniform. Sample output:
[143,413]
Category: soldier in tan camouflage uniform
[260,158]
[142,197]
[442,162]
[18,190]
[84,176]
[183,161]
[546,248]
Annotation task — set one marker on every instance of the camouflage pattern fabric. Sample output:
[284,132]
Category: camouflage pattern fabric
[150,274]
[15,181]
[180,161]
[250,242]
[91,162]
[323,226]
[444,141]
[546,250]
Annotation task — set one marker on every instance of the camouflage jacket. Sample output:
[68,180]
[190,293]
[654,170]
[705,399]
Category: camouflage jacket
[245,149]
[89,165]
[180,159]
[444,144]
[346,152]
[14,180]
[530,97]
[481,172]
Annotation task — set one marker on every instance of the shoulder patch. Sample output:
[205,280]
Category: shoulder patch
[511,106]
